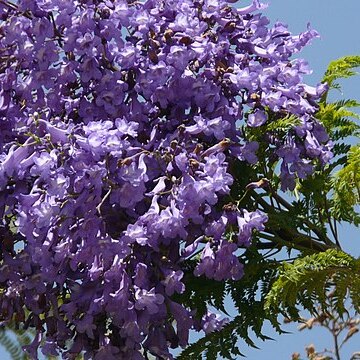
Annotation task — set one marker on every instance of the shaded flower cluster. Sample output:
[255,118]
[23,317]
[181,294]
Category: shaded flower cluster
[119,120]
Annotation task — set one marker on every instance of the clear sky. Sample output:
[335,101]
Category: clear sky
[338,23]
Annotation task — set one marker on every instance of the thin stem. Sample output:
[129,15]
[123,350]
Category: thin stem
[332,228]
[56,31]
[9,4]
[271,253]
[98,208]
[336,232]
[246,194]
[311,226]
[289,236]
[337,350]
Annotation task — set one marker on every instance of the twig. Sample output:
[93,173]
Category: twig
[9,4]
[311,226]
[98,208]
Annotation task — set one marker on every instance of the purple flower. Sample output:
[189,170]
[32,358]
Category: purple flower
[50,347]
[220,264]
[211,322]
[122,124]
[287,178]
[248,152]
[216,127]
[247,222]
[256,5]
[257,118]
[303,168]
[141,275]
[217,228]
[157,344]
[90,70]
[206,264]
[171,223]
[179,57]
[108,351]
[172,282]
[148,300]
[227,265]
[127,56]
[184,322]
[86,325]
[32,349]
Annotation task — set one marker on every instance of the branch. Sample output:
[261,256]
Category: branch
[289,237]
[311,226]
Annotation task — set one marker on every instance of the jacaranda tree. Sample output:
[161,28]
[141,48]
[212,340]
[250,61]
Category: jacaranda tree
[145,150]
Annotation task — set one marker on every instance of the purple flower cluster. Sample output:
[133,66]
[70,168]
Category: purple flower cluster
[118,122]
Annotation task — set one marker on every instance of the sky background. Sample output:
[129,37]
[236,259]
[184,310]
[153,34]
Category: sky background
[338,23]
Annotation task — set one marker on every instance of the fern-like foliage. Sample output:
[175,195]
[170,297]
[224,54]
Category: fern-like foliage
[339,118]
[341,68]
[346,187]
[248,297]
[11,348]
[13,340]
[331,195]
[201,292]
[307,281]
[219,343]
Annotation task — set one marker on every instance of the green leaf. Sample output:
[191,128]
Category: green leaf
[346,188]
[339,119]
[341,68]
[307,280]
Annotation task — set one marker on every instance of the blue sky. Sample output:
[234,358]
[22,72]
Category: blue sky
[338,23]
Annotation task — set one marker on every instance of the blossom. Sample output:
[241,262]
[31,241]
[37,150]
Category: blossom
[247,222]
[123,125]
[211,322]
[148,300]
[172,282]
[257,118]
